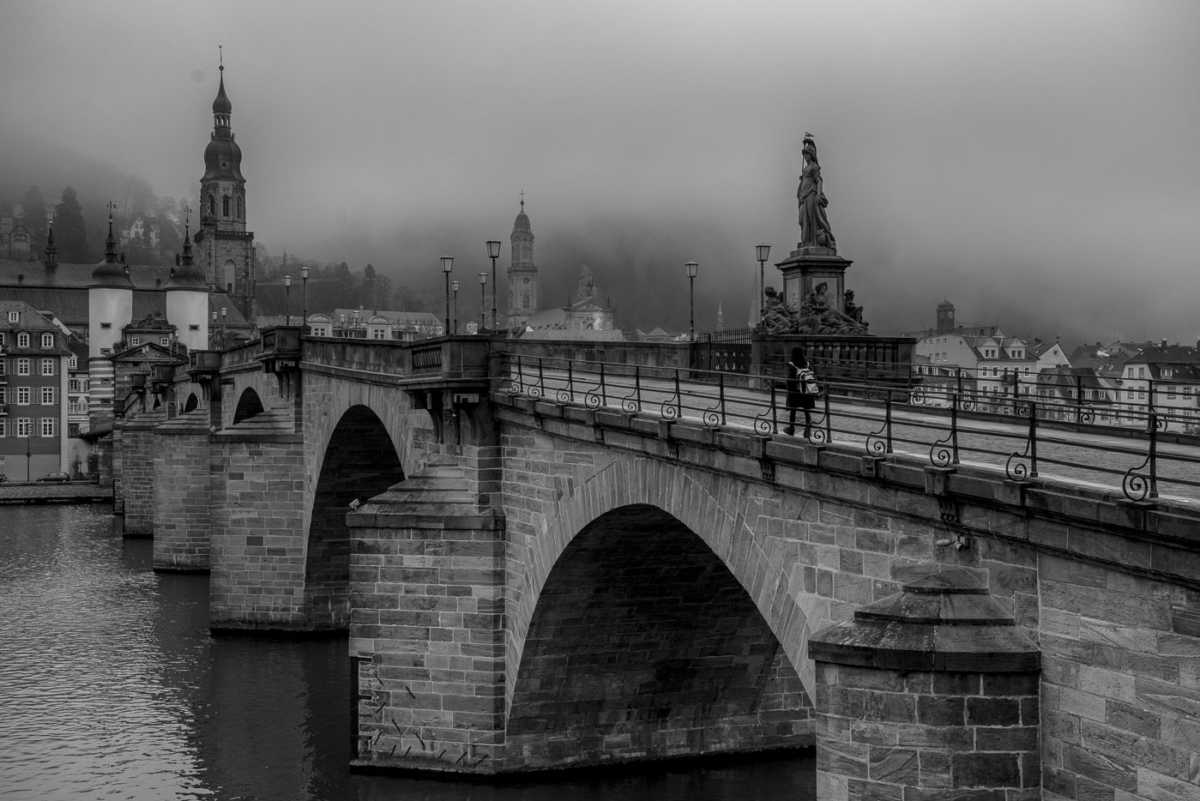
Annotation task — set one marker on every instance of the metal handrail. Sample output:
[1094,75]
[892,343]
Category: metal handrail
[886,420]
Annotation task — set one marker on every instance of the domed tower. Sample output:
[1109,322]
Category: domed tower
[110,309]
[226,247]
[187,299]
[522,273]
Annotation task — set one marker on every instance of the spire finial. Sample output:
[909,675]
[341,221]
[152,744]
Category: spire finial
[187,236]
[110,243]
[522,198]
[220,58]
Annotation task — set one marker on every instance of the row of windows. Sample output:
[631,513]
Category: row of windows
[134,341]
[23,337]
[24,396]
[212,206]
[24,366]
[47,427]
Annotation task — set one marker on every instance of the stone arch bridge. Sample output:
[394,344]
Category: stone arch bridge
[530,584]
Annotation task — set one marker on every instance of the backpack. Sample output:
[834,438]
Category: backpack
[808,381]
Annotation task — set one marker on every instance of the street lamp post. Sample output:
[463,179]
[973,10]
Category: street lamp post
[447,267]
[454,287]
[482,309]
[287,298]
[29,455]
[493,248]
[692,267]
[763,252]
[304,307]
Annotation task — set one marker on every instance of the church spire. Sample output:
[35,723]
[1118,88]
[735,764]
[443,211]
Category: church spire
[110,242]
[221,106]
[51,250]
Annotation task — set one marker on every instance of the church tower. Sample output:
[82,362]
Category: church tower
[110,309]
[187,300]
[522,273]
[226,248]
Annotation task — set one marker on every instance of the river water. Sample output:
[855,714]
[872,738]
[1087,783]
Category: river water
[112,688]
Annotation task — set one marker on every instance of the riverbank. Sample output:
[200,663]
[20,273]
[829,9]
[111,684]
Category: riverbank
[70,492]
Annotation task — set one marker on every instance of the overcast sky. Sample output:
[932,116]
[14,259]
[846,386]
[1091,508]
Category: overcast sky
[1034,162]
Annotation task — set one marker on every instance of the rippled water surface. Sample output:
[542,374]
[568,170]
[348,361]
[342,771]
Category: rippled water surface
[112,688]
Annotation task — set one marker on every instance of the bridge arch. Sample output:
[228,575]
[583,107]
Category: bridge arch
[643,643]
[359,461]
[249,404]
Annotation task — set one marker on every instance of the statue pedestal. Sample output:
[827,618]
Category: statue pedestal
[806,268]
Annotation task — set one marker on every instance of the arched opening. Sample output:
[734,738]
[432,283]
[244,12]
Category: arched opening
[191,403]
[248,405]
[644,645]
[360,462]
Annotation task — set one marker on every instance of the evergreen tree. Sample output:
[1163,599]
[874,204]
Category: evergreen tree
[70,233]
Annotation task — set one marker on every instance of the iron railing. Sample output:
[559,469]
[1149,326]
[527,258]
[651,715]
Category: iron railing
[1027,437]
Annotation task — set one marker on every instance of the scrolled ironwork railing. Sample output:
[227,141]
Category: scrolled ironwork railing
[1136,484]
[1023,465]
[944,421]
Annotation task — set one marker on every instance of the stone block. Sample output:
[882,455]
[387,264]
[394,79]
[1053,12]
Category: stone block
[985,770]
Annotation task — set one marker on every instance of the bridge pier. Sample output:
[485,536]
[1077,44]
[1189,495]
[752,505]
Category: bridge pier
[183,494]
[928,694]
[134,446]
[259,534]
[426,628]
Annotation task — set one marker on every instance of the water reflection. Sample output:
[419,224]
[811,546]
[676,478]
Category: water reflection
[112,688]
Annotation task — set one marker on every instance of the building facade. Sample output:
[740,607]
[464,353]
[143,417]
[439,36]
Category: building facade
[33,393]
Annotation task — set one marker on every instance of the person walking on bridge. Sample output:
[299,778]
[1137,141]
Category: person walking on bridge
[802,391]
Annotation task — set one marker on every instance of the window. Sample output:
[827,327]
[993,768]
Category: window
[212,206]
[23,396]
[164,341]
[225,206]
[47,396]
[239,207]
[47,341]
[23,339]
[22,366]
[193,327]
[73,430]
[73,385]
[73,362]
[24,426]
[3,366]
[105,326]
[3,427]
[135,341]
[3,338]
[3,395]
[14,317]
[48,426]
[47,366]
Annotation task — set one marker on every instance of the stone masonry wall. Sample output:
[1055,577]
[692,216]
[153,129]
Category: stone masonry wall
[1121,670]
[135,446]
[427,623]
[957,736]
[811,534]
[258,536]
[182,494]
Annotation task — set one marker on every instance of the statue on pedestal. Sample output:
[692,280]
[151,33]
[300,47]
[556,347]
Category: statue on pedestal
[814,222]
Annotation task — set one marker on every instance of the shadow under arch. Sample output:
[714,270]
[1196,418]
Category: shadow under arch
[191,403]
[643,644]
[248,405]
[360,462]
